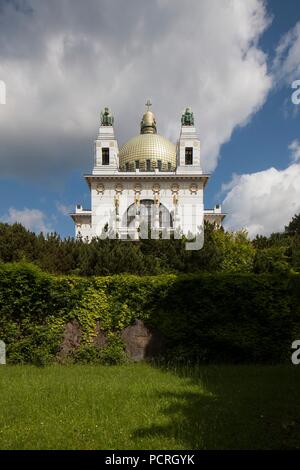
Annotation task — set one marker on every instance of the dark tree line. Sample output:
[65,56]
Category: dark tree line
[222,251]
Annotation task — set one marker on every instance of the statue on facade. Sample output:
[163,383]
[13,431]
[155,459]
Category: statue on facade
[107,118]
[117,203]
[187,119]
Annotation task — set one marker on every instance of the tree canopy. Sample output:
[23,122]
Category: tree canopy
[222,252]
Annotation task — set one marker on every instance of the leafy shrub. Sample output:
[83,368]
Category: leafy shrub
[230,318]
[236,252]
[114,351]
[40,357]
[87,354]
[203,317]
[271,260]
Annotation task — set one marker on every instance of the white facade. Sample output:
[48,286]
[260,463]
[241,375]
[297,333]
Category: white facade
[149,187]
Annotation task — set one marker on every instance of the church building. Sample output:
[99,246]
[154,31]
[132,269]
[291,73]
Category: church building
[149,187]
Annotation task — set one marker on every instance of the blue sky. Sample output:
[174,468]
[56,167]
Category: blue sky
[41,166]
[264,141]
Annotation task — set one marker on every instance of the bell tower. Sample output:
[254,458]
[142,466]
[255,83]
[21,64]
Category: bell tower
[106,146]
[188,146]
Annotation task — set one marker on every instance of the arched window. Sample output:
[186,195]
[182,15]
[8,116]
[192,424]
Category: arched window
[147,214]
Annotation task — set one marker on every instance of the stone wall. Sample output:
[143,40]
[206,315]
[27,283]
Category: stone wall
[141,342]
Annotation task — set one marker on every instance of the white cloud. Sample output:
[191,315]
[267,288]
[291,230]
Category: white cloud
[286,63]
[63,61]
[32,219]
[64,209]
[263,202]
[294,147]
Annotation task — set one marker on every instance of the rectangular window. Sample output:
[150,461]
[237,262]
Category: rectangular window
[169,166]
[137,164]
[148,165]
[188,155]
[105,156]
[126,166]
[159,164]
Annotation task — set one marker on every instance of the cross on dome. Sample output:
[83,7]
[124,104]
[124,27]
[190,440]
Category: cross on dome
[148,104]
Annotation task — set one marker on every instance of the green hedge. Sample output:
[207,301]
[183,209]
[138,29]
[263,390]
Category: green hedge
[203,317]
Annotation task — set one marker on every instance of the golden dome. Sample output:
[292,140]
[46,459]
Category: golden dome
[150,151]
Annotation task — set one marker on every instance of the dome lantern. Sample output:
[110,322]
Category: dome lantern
[148,150]
[148,124]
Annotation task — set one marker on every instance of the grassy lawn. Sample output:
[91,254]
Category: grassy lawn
[142,407]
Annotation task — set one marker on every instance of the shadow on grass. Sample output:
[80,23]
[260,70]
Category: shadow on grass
[232,407]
